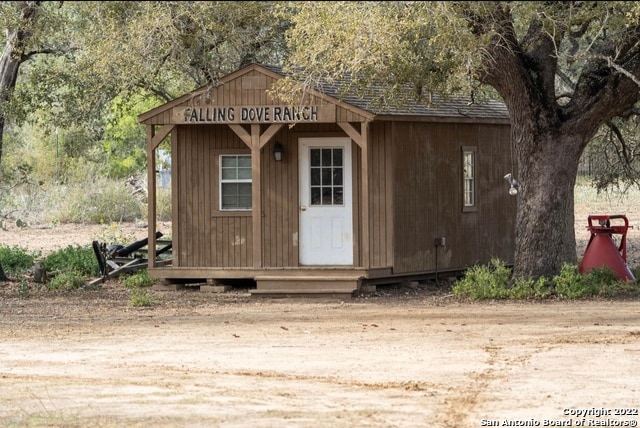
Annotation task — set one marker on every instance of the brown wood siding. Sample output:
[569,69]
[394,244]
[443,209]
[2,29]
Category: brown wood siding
[381,196]
[204,236]
[415,197]
[497,207]
[428,196]
[280,203]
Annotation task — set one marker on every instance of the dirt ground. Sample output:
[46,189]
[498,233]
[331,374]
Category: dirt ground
[403,357]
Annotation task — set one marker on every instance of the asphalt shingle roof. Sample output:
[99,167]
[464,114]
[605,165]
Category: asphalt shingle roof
[452,106]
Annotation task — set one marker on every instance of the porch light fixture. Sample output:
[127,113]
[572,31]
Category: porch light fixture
[277,151]
[513,183]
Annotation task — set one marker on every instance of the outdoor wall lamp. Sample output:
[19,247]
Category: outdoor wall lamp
[277,151]
[513,183]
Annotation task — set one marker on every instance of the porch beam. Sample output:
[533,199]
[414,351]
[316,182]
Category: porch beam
[364,147]
[256,195]
[243,134]
[269,133]
[151,188]
[353,133]
[157,138]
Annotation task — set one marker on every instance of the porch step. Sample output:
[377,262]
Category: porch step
[307,285]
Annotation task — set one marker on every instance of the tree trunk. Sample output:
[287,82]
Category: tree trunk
[13,55]
[545,231]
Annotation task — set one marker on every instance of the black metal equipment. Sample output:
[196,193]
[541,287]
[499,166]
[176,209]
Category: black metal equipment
[115,259]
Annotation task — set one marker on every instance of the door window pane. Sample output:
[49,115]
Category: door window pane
[326,172]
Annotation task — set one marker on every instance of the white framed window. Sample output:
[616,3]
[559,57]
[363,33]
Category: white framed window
[469,179]
[235,182]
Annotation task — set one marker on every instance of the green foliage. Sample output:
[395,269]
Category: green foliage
[79,260]
[23,289]
[124,140]
[140,297]
[16,260]
[573,285]
[485,282]
[495,282]
[139,279]
[530,289]
[66,281]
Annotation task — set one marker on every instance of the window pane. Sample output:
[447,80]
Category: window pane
[315,176]
[337,157]
[229,161]
[326,157]
[337,196]
[326,176]
[315,157]
[337,177]
[326,196]
[244,173]
[244,189]
[229,174]
[468,178]
[315,196]
[244,202]
[244,162]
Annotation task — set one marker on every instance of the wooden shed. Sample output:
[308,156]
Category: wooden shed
[327,196]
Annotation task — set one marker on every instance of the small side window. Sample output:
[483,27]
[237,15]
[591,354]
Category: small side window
[469,202]
[235,182]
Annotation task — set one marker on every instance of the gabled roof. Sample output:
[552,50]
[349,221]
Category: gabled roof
[336,92]
[453,106]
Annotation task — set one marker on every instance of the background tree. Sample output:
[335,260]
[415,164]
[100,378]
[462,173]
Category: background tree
[22,33]
[563,69]
[133,54]
[71,118]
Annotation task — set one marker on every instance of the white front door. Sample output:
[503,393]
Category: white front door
[326,223]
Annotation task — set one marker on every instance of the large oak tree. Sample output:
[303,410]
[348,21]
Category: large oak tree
[563,70]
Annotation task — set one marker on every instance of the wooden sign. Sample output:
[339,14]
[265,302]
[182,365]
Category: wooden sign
[254,114]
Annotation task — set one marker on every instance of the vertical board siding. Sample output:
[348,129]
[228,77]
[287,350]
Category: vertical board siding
[428,197]
[205,239]
[380,187]
[280,199]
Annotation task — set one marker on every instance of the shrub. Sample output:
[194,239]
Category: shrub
[81,260]
[140,297]
[572,284]
[138,280]
[66,281]
[485,282]
[16,260]
[494,282]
